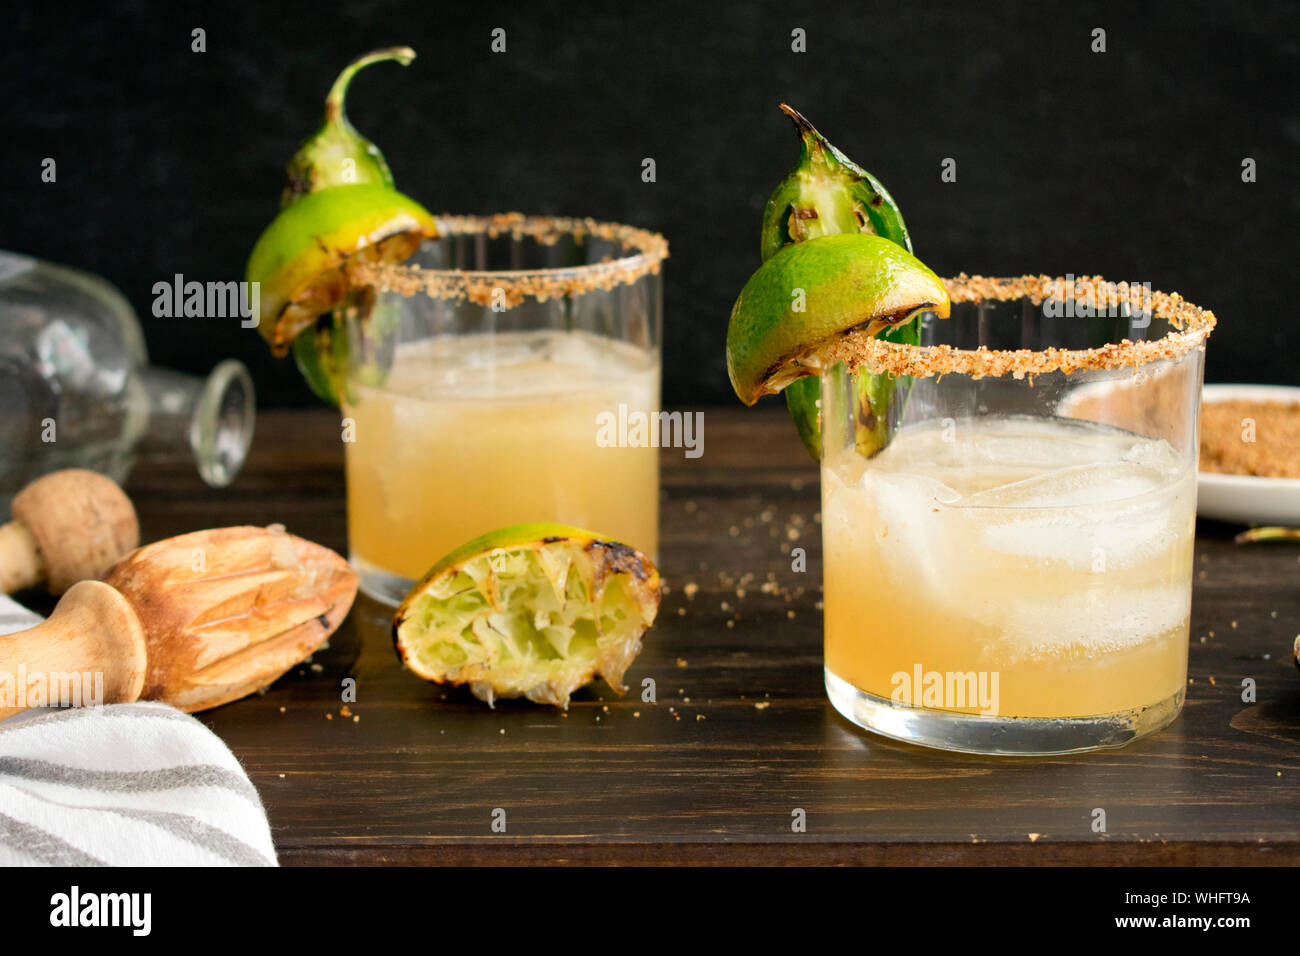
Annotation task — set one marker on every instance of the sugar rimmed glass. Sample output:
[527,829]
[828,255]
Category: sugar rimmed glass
[1007,518]
[474,386]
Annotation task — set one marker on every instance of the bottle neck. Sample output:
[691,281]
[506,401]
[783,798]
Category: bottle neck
[212,418]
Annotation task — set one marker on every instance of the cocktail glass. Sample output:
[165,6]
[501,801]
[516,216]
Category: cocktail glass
[475,388]
[1007,518]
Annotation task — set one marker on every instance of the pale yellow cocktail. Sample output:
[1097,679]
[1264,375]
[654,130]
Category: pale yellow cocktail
[1011,567]
[471,433]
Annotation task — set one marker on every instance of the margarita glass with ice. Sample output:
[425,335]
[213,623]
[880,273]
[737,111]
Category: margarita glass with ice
[1008,535]
[475,386]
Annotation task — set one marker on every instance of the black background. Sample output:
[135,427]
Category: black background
[1125,164]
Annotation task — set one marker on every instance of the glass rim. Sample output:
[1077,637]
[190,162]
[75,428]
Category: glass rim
[1191,324]
[509,287]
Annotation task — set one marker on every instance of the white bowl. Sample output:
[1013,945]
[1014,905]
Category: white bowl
[1242,499]
[1248,499]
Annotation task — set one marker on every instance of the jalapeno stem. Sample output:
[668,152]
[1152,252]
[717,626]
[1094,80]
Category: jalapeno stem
[334,101]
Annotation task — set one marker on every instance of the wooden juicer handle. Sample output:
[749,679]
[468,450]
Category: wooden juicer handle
[91,647]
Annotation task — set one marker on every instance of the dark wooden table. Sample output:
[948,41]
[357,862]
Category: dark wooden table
[741,735]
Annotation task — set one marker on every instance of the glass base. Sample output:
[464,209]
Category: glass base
[1005,736]
[381,585]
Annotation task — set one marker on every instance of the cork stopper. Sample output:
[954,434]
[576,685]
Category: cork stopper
[82,524]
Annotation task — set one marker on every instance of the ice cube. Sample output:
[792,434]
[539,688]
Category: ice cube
[1069,487]
[1086,625]
[1082,541]
[909,516]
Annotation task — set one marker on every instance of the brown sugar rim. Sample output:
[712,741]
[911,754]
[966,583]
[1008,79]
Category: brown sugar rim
[511,287]
[859,349]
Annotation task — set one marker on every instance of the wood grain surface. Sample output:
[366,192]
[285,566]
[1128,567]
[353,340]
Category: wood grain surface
[741,735]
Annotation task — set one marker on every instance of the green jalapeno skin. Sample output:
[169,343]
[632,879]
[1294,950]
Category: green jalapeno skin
[827,193]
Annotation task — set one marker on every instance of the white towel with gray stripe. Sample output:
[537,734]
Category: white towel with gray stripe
[122,785]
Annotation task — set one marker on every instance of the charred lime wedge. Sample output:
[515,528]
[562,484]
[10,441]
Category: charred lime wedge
[533,610]
[809,294]
[301,259]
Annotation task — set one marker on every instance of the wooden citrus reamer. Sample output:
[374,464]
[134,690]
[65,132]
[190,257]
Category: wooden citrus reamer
[195,621]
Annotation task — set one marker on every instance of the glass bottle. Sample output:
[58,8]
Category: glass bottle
[77,389]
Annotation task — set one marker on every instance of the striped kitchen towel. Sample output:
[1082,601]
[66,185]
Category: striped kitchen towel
[122,785]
